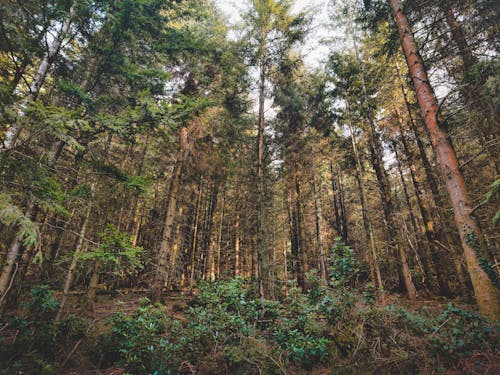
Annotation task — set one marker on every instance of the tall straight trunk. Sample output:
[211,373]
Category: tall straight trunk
[161,272]
[488,130]
[432,227]
[375,148]
[216,272]
[74,260]
[319,233]
[209,241]
[260,168]
[303,263]
[195,233]
[294,234]
[343,212]
[422,249]
[487,297]
[370,239]
[237,241]
[337,206]
[175,250]
[285,251]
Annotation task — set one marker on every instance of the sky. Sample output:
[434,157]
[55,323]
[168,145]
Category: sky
[314,52]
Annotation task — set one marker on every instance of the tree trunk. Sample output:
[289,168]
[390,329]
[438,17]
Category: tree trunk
[237,241]
[94,281]
[260,168]
[161,273]
[319,233]
[421,249]
[370,239]
[8,273]
[209,240]
[74,261]
[487,296]
[195,233]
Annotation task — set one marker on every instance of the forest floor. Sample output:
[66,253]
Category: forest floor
[175,303]
[363,338]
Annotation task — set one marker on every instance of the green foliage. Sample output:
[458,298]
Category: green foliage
[342,262]
[483,255]
[116,249]
[12,216]
[144,342]
[370,294]
[493,195]
[40,343]
[454,333]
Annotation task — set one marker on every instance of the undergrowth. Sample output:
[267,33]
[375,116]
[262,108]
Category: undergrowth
[225,329]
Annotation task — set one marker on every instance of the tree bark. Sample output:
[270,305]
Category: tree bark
[370,239]
[74,260]
[260,166]
[487,296]
[161,273]
[6,277]
[319,232]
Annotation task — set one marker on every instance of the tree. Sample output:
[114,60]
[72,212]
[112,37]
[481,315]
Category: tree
[272,31]
[471,237]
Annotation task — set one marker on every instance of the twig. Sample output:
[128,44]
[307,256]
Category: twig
[438,328]
[77,344]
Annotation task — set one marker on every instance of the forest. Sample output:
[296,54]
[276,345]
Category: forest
[251,187]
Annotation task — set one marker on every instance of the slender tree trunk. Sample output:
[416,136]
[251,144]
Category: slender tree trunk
[336,205]
[161,273]
[370,243]
[94,281]
[8,274]
[237,241]
[74,260]
[195,233]
[421,249]
[260,168]
[216,272]
[385,194]
[319,233]
[487,296]
[209,242]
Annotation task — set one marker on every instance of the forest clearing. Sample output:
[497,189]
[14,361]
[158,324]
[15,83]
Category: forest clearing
[253,187]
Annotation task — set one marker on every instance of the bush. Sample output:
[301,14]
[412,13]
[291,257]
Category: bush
[40,343]
[342,262]
[140,343]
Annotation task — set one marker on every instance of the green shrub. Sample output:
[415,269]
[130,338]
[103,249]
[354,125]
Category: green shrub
[141,341]
[40,343]
[342,263]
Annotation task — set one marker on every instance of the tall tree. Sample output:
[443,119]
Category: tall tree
[486,294]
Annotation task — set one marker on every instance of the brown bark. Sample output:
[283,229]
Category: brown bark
[260,166]
[74,260]
[209,238]
[319,232]
[237,242]
[370,239]
[375,148]
[161,272]
[487,296]
[195,233]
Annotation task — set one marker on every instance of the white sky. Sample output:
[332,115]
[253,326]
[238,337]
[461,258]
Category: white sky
[313,51]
